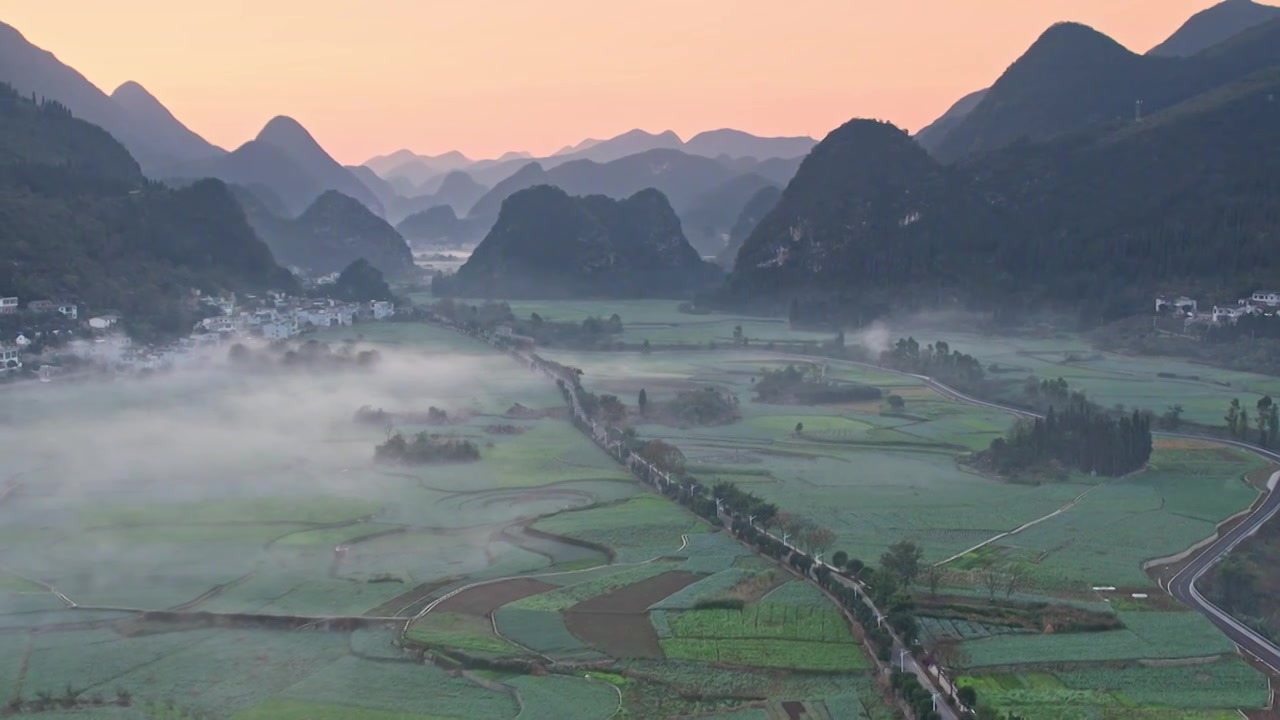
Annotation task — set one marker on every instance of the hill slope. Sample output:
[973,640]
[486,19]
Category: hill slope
[82,222]
[329,235]
[1073,77]
[151,134]
[1214,25]
[932,135]
[755,209]
[285,158]
[549,244]
[1096,221]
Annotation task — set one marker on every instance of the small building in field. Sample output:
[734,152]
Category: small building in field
[382,309]
[9,361]
[68,309]
[8,305]
[42,306]
[279,329]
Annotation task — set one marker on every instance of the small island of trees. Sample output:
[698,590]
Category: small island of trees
[793,385]
[425,449]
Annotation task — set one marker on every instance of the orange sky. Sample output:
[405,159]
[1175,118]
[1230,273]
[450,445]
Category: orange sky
[486,76]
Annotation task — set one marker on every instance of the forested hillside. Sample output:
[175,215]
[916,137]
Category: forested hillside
[547,243]
[1096,220]
[79,221]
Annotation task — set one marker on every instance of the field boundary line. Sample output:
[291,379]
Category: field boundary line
[458,591]
[1020,528]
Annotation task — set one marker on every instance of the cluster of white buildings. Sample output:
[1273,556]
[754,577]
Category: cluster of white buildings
[275,316]
[1261,302]
[280,317]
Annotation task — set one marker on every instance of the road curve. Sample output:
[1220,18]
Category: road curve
[1183,585]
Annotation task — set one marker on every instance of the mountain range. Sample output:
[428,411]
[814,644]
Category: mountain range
[1136,80]
[1098,216]
[334,231]
[725,144]
[152,135]
[547,243]
[82,222]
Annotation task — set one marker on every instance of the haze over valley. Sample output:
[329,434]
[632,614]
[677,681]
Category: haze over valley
[928,371]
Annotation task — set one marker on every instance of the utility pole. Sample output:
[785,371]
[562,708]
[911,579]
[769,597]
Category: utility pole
[902,660]
[1137,111]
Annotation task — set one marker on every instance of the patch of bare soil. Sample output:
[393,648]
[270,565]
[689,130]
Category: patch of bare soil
[617,622]
[485,599]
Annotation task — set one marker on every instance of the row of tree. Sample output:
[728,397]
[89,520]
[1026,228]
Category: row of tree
[938,361]
[1266,419]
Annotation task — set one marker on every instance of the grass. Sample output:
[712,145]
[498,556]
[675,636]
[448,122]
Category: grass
[765,635]
[457,630]
[798,655]
[1210,690]
[304,710]
[567,596]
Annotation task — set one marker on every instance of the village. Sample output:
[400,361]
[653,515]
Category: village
[54,339]
[1265,303]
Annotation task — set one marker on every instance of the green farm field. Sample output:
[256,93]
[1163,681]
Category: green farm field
[875,478]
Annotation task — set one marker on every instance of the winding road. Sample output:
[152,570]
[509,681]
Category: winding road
[1183,584]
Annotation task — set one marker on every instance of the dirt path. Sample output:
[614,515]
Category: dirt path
[1020,528]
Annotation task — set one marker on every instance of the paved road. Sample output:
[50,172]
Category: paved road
[1183,585]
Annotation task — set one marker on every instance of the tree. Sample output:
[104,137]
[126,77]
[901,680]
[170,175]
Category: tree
[933,577]
[1233,417]
[737,334]
[854,566]
[1242,425]
[896,403]
[992,578]
[644,347]
[820,540]
[902,561]
[967,696]
[664,456]
[1172,417]
[1014,576]
[1263,418]
[643,401]
[839,559]
[799,428]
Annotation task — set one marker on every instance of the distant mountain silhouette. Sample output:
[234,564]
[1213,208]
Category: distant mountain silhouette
[437,226]
[421,171]
[152,135]
[1215,25]
[548,244]
[1074,77]
[285,158]
[489,204]
[749,216]
[333,232]
[385,165]
[736,143]
[709,217]
[932,135]
[381,189]
[459,191]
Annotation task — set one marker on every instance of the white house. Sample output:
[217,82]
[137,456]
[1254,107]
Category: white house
[1228,314]
[9,358]
[8,305]
[1270,298]
[21,341]
[1182,304]
[68,310]
[279,329]
[382,309]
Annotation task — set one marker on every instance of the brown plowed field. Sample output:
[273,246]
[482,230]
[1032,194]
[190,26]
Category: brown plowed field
[617,623]
[487,598]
